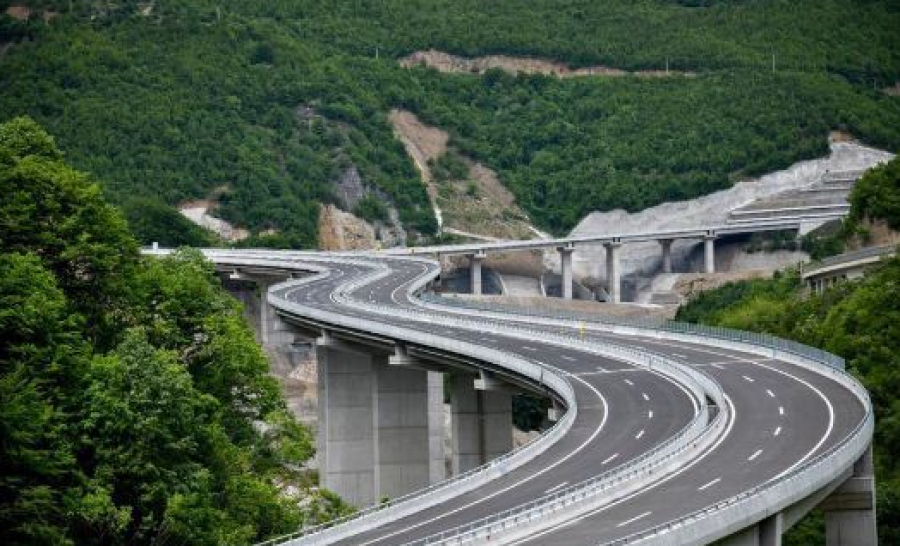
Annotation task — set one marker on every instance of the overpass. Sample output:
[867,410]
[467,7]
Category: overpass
[661,433]
[478,251]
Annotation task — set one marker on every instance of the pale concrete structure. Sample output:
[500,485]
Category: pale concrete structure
[475,261]
[850,509]
[613,271]
[482,424]
[378,424]
[666,245]
[565,268]
[765,533]
[709,253]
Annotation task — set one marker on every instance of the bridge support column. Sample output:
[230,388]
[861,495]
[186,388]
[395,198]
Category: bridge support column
[475,271]
[482,424]
[765,533]
[375,438]
[850,509]
[613,271]
[666,245]
[565,269]
[709,253]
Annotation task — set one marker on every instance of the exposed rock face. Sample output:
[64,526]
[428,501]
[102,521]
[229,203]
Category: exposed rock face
[445,62]
[350,189]
[198,212]
[339,230]
[477,207]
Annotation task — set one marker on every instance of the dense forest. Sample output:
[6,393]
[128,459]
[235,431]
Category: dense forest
[858,320]
[135,405]
[261,106]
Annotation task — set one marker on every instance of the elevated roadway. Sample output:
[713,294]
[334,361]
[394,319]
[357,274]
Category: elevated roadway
[664,436]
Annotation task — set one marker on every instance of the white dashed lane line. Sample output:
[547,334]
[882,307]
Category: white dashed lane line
[770,393]
[755,454]
[630,382]
[710,484]
[554,488]
[634,519]
[609,459]
[650,414]
[780,410]
[644,394]
[777,431]
[639,435]
[747,378]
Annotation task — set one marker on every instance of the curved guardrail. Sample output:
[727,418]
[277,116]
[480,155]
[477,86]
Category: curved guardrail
[687,439]
[747,507]
[704,525]
[591,489]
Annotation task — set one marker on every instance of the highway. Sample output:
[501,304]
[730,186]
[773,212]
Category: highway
[778,416]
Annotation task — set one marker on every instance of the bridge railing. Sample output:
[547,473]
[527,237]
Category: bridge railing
[747,507]
[436,493]
[650,324]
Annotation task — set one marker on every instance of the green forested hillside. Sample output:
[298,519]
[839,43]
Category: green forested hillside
[135,405]
[264,104]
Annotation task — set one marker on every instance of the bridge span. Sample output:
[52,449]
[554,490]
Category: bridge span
[478,251]
[659,433]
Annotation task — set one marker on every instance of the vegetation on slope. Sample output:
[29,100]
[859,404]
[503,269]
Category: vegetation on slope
[858,320]
[265,104]
[135,405]
[875,198]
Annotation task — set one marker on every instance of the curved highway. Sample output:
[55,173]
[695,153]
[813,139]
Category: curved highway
[776,417]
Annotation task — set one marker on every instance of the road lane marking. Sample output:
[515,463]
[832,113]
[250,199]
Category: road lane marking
[747,378]
[780,410]
[527,348]
[717,366]
[555,487]
[644,394]
[755,454]
[770,393]
[569,358]
[609,459]
[639,434]
[634,519]
[732,419]
[650,414]
[679,355]
[710,484]
[630,382]
[777,431]
[601,369]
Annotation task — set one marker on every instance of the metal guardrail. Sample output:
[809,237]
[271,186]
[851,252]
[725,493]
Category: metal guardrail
[765,498]
[657,325]
[761,499]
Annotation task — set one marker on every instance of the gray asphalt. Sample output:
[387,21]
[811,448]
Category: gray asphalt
[781,418]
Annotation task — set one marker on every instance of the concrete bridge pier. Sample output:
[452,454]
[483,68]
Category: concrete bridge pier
[375,437]
[475,261]
[666,245]
[709,253]
[850,509]
[613,271]
[482,423]
[565,261]
[765,533]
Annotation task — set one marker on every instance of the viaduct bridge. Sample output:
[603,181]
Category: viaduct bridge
[658,433]
[477,252]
